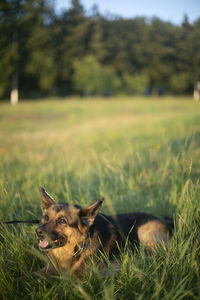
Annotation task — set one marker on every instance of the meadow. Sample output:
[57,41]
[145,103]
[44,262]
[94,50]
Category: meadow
[140,154]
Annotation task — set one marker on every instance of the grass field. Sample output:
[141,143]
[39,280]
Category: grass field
[141,154]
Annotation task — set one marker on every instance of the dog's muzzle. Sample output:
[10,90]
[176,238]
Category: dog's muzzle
[47,243]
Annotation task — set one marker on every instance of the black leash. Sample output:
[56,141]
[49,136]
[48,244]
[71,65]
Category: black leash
[21,222]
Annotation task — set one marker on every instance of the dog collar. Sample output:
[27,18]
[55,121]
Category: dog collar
[81,249]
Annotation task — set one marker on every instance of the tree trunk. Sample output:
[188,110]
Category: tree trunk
[14,95]
[196,93]
[155,91]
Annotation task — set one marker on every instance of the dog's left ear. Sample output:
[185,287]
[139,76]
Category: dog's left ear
[47,200]
[88,214]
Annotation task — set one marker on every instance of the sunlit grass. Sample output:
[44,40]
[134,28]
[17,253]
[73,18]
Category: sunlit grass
[141,154]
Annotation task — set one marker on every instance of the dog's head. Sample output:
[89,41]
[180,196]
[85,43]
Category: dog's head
[63,225]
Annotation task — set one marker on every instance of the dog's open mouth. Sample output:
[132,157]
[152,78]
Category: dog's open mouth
[46,245]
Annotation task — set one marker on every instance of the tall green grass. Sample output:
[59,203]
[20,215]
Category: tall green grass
[141,154]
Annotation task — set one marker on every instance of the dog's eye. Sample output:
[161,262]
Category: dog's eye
[46,217]
[62,221]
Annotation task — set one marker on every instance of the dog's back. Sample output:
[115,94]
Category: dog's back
[136,228]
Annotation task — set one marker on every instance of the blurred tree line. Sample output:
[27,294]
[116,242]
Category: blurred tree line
[44,53]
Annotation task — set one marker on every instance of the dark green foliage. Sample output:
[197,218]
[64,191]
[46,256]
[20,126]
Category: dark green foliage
[41,48]
[90,77]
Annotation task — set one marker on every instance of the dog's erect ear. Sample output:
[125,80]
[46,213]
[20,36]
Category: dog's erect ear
[47,200]
[88,214]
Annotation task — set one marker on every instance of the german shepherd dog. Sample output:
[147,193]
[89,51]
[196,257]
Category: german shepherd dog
[71,234]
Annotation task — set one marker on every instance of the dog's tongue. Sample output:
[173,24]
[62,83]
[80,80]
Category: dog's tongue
[43,244]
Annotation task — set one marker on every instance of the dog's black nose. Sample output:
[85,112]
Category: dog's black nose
[39,232]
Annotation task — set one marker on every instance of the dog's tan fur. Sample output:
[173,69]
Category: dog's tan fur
[152,234]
